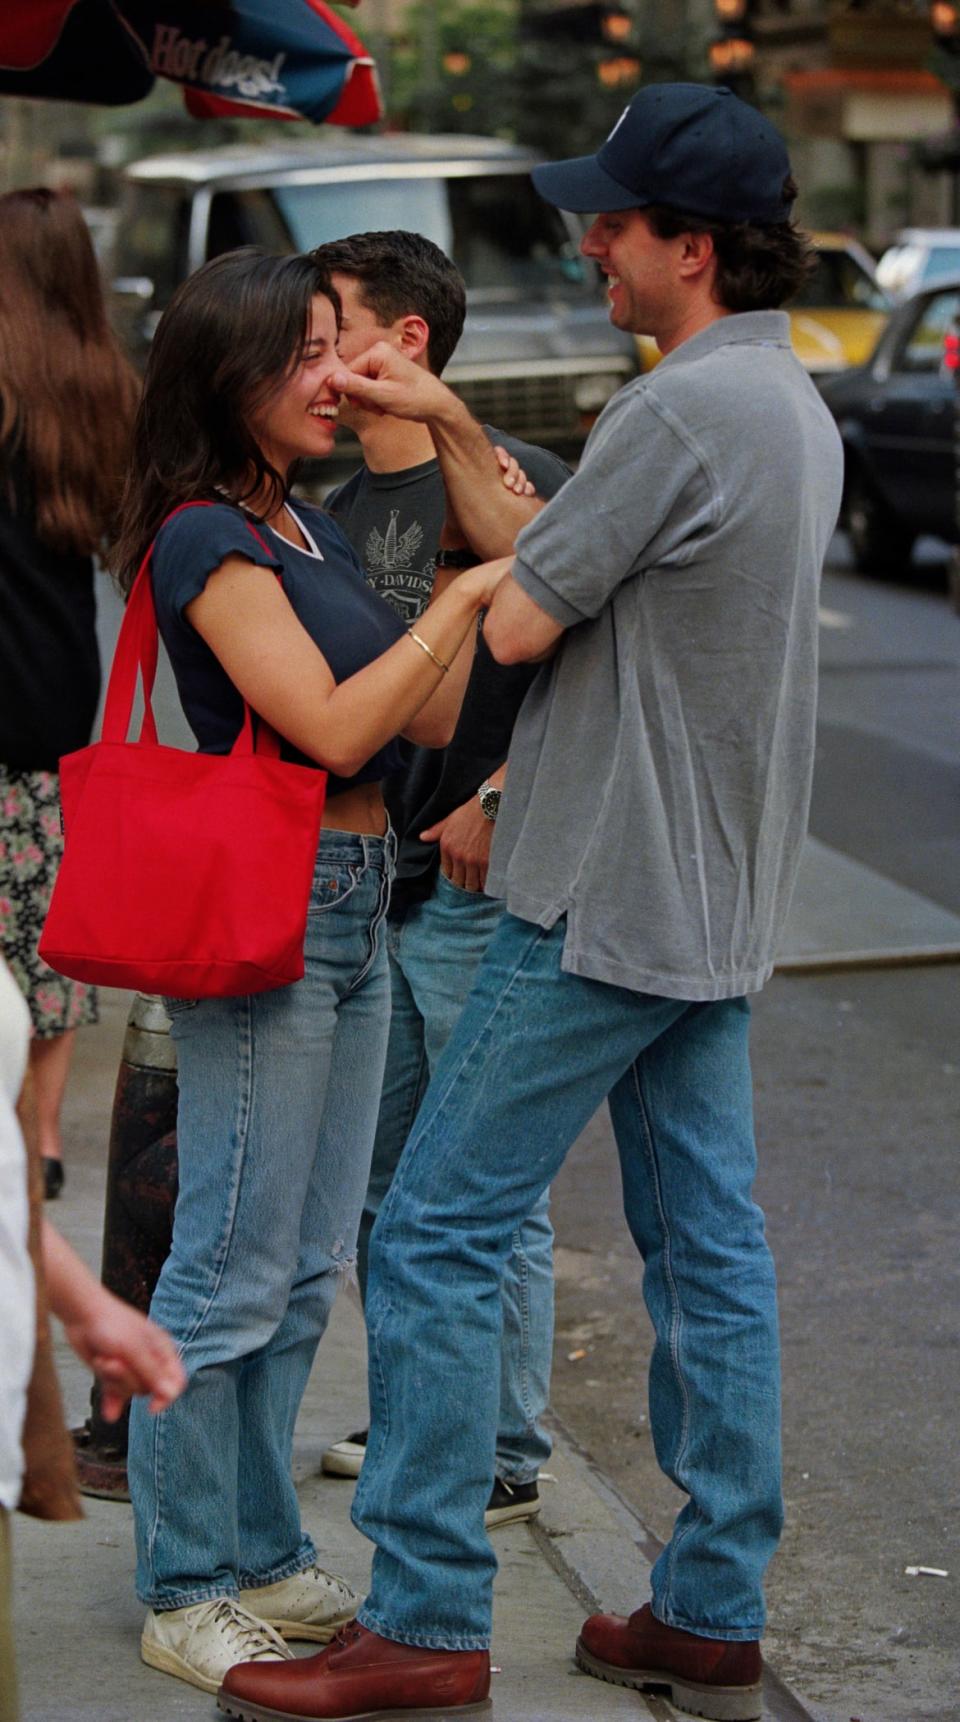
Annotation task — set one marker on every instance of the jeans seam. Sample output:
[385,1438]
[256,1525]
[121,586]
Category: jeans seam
[523,1282]
[301,1562]
[373,931]
[676,1324]
[430,1637]
[242,1125]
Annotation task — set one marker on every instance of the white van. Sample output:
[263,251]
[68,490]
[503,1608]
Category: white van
[538,357]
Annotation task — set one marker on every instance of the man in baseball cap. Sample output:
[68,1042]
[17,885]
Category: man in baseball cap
[646,848]
[686,146]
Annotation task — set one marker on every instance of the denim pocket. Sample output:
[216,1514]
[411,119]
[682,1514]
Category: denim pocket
[177,1007]
[461,890]
[333,883]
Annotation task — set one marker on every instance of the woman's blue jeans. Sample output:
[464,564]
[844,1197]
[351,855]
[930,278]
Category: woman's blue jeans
[434,952]
[277,1113]
[535,1052]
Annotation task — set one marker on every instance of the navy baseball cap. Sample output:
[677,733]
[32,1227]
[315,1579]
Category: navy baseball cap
[692,147]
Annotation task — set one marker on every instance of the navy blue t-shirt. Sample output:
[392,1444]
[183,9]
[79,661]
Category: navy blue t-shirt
[327,590]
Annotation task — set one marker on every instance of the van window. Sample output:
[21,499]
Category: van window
[507,243]
[246,218]
[316,214]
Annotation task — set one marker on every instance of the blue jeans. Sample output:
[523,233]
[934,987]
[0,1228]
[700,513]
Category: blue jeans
[434,952]
[277,1113]
[535,1052]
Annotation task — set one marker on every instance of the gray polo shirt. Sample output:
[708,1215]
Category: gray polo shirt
[659,773]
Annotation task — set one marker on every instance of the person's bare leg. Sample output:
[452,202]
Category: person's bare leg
[50,1067]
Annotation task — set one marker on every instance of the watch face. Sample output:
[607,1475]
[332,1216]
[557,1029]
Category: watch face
[490,802]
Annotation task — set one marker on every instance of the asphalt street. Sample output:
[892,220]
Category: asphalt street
[858,1100]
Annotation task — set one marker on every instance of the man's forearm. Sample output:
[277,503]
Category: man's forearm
[489,514]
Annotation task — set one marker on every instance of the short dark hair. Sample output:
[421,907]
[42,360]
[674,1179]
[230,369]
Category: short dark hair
[758,266]
[401,275]
[228,340]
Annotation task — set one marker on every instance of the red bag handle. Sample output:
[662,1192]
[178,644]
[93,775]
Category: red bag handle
[136,653]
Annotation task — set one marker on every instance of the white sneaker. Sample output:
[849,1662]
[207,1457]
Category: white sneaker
[200,1643]
[344,1458]
[310,1604]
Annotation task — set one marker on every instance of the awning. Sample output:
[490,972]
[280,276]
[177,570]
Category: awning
[866,104]
[282,59]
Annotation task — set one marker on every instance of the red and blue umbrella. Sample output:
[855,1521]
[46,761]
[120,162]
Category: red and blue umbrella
[282,59]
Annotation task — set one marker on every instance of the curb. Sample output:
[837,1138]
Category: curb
[598,1544]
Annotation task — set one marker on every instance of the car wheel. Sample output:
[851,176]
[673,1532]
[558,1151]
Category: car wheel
[881,543]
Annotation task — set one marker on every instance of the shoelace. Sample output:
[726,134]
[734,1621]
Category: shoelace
[348,1634]
[244,1632]
[343,1590]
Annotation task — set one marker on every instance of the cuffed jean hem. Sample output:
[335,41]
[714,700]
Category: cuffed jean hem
[725,1634]
[168,1601]
[425,1640]
[518,1479]
[305,1557]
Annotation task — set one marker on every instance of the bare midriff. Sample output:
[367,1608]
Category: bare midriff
[359,809]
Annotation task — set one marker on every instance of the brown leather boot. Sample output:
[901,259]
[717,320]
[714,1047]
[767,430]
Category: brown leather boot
[713,1677]
[361,1675]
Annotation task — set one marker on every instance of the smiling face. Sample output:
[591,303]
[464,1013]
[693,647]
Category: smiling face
[641,270]
[299,420]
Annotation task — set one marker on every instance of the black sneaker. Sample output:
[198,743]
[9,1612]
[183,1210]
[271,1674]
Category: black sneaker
[510,1502]
[345,1458]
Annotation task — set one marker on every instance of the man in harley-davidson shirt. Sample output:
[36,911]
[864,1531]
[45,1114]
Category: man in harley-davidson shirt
[401,289]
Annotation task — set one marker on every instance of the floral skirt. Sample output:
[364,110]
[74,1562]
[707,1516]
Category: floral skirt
[31,845]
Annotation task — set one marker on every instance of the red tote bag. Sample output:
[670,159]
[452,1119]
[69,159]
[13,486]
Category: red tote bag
[187,874]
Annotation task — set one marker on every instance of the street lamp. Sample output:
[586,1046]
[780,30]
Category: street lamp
[732,53]
[945,23]
[625,69]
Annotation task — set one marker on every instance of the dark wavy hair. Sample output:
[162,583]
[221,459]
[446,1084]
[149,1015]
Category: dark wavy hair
[229,339]
[67,393]
[402,274]
[758,266]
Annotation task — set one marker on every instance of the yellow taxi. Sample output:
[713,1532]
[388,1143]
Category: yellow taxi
[836,319]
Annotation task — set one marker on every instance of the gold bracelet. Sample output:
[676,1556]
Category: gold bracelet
[429,650]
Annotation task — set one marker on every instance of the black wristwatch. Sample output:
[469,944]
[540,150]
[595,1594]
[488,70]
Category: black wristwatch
[457,559]
[489,797]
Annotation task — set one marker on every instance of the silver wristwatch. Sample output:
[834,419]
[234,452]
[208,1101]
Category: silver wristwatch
[489,800]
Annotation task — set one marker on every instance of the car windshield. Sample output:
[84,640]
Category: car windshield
[941,261]
[840,283]
[923,349]
[506,241]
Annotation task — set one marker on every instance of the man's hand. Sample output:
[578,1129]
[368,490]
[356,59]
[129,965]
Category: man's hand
[382,380]
[465,837]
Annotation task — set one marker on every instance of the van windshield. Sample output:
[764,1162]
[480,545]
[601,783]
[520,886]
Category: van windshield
[507,243]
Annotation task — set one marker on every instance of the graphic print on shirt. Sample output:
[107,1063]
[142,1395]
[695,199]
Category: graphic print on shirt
[390,560]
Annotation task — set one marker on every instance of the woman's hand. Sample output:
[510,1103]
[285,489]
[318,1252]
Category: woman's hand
[514,477]
[127,1351]
[482,582]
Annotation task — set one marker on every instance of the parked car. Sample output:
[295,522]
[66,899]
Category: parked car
[896,416]
[918,257]
[836,318]
[538,357]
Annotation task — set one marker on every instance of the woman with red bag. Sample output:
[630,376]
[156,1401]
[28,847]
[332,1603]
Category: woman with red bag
[278,1091]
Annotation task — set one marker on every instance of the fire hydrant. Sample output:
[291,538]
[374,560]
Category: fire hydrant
[138,1213]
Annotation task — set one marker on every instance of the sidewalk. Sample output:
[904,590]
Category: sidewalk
[78,1621]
